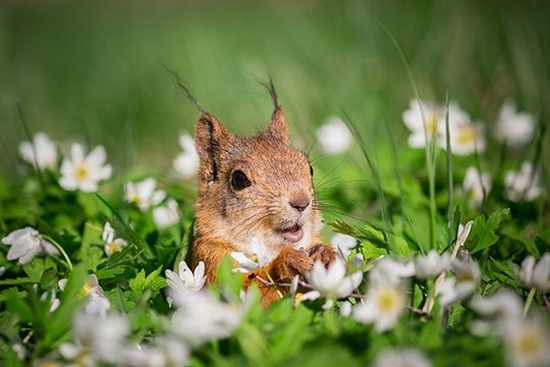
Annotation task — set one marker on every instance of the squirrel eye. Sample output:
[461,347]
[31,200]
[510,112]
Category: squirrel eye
[239,180]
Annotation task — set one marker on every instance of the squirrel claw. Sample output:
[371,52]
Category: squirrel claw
[322,253]
[299,262]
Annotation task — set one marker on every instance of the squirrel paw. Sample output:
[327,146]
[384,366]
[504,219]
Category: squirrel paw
[299,261]
[294,262]
[322,253]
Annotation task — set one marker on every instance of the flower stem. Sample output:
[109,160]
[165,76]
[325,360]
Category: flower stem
[529,300]
[273,282]
[329,320]
[58,246]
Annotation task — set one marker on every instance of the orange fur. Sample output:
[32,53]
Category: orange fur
[256,188]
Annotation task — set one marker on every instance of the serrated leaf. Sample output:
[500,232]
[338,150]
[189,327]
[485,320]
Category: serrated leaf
[152,282]
[483,234]
[111,272]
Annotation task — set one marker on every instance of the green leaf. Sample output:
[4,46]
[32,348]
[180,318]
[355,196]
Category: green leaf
[110,272]
[17,306]
[35,269]
[431,334]
[153,281]
[483,234]
[252,343]
[505,272]
[230,282]
[61,319]
[291,329]
[49,279]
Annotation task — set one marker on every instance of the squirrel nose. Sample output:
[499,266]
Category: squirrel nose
[300,204]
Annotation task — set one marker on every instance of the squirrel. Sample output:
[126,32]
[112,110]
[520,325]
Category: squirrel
[259,188]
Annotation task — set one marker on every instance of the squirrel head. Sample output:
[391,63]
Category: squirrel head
[254,187]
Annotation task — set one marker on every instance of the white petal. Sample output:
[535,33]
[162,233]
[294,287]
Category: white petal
[97,156]
[77,153]
[14,236]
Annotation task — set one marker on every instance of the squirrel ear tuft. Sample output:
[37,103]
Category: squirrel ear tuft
[279,127]
[210,138]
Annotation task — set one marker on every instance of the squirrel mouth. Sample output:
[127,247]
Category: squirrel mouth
[293,234]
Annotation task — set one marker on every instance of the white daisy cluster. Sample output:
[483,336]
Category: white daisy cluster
[427,122]
[79,171]
[83,172]
[145,195]
[525,338]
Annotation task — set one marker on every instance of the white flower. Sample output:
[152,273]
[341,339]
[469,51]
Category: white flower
[186,281]
[465,138]
[498,309]
[143,193]
[2,270]
[166,216]
[345,309]
[201,317]
[432,264]
[424,120]
[98,304]
[186,164]
[523,185]
[343,243]
[427,122]
[26,243]
[112,244]
[476,186]
[389,271]
[19,350]
[334,136]
[54,303]
[331,283]
[536,274]
[383,304]
[527,342]
[256,259]
[41,152]
[160,353]
[465,281]
[512,127]
[505,305]
[96,339]
[80,172]
[401,358]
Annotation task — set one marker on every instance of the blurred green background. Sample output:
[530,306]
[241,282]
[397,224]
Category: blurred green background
[93,71]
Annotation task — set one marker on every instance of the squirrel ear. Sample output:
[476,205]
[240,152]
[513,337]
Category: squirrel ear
[279,127]
[210,138]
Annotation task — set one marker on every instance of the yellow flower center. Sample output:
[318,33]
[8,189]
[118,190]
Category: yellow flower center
[81,172]
[113,247]
[388,300]
[84,291]
[466,134]
[465,276]
[431,125]
[528,343]
[49,364]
